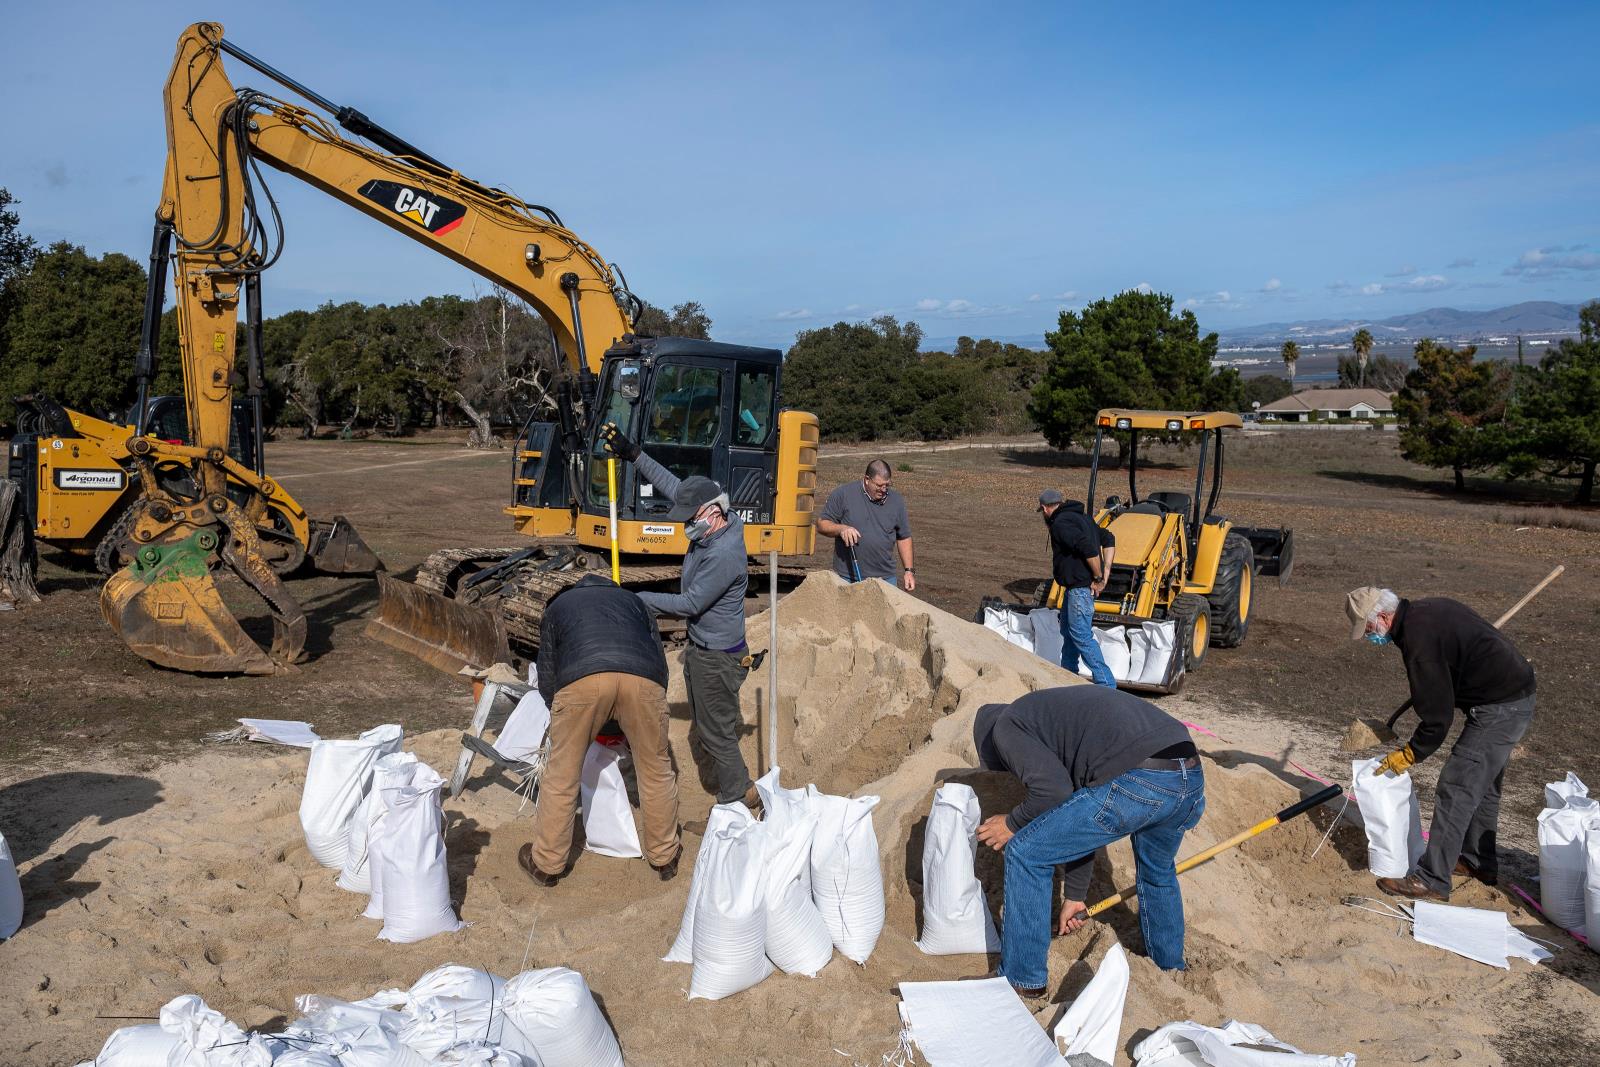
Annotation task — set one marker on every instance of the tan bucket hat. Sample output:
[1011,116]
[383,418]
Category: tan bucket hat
[1359,605]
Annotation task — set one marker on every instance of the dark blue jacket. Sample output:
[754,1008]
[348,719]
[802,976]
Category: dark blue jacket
[594,627]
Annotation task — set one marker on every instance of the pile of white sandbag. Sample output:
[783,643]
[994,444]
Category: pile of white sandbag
[377,815]
[452,1015]
[783,892]
[1234,1044]
[1392,818]
[1139,654]
[1569,858]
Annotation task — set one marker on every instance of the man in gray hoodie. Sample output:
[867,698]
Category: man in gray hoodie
[711,597]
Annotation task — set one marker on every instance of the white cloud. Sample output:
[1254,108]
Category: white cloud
[1034,298]
[929,304]
[1404,272]
[1070,294]
[1272,286]
[1220,298]
[1458,264]
[848,308]
[1371,289]
[928,307]
[1427,283]
[793,313]
[1543,262]
[1144,287]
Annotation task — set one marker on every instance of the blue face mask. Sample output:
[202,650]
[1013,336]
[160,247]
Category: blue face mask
[1377,639]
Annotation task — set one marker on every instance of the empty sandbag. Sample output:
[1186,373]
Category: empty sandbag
[730,919]
[1092,1023]
[338,777]
[722,817]
[206,1039]
[1392,818]
[846,879]
[1159,639]
[1556,794]
[524,732]
[552,1015]
[137,1046]
[975,1022]
[608,826]
[1192,1043]
[356,875]
[416,881]
[10,892]
[1563,860]
[797,939]
[955,915]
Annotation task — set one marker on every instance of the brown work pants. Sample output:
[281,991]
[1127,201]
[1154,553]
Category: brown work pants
[581,709]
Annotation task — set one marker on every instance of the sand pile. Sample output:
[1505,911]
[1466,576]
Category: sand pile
[198,880]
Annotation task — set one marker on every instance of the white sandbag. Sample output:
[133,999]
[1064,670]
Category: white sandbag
[978,1022]
[206,1039]
[390,770]
[137,1046]
[796,937]
[1392,818]
[1591,887]
[552,1015]
[1192,1043]
[1113,642]
[1017,629]
[1160,637]
[608,826]
[1046,633]
[955,915]
[1556,794]
[1138,651]
[722,817]
[291,732]
[524,731]
[359,1035]
[338,777]
[446,1006]
[1563,860]
[1477,933]
[1093,1022]
[10,893]
[416,881]
[479,1054]
[846,880]
[306,1057]
[730,920]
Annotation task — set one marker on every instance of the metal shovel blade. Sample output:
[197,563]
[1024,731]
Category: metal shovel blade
[170,613]
[336,548]
[441,632]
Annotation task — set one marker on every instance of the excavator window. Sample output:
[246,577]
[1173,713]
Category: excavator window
[686,406]
[755,400]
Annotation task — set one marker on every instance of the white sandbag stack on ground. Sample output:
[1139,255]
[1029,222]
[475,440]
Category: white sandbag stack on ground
[1088,1032]
[359,1035]
[608,826]
[551,1017]
[1563,860]
[846,880]
[1392,818]
[730,919]
[446,1006]
[1159,639]
[1556,794]
[415,880]
[337,780]
[722,817]
[955,915]
[392,769]
[206,1039]
[1018,629]
[797,939]
[1191,1043]
[10,892]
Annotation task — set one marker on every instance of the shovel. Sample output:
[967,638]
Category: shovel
[1364,733]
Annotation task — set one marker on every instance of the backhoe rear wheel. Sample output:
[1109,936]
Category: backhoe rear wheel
[1194,627]
[1230,595]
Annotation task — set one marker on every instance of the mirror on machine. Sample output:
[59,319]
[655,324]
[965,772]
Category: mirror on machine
[628,378]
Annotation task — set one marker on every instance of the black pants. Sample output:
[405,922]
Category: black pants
[1466,805]
[714,679]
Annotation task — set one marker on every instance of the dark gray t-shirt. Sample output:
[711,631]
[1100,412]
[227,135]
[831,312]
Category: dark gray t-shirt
[881,525]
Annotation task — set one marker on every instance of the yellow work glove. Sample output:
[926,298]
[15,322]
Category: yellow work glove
[1399,761]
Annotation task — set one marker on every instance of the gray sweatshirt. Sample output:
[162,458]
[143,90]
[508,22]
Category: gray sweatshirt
[715,573]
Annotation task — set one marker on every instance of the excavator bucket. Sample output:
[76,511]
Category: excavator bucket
[165,606]
[336,548]
[444,633]
[18,555]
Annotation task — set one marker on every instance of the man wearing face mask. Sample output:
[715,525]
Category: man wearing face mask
[1454,658]
[711,597]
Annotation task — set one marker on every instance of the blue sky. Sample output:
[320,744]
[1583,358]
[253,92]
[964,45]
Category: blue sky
[972,167]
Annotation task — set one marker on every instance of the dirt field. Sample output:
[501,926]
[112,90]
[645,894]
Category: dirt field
[73,701]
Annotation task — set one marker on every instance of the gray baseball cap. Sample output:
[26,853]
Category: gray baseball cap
[1048,497]
[693,494]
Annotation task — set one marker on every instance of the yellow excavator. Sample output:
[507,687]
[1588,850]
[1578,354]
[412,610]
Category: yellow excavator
[698,406]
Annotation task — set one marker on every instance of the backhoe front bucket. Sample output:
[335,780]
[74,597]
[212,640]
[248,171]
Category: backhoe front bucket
[336,548]
[444,633]
[166,607]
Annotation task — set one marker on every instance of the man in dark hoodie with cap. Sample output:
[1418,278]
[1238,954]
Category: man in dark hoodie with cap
[1099,765]
[711,596]
[1080,552]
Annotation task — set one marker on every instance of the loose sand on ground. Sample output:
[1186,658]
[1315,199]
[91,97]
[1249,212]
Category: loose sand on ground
[198,880]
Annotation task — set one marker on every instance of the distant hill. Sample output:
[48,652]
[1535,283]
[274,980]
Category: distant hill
[1530,319]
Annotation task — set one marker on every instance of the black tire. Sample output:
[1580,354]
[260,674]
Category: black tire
[1192,613]
[1231,596]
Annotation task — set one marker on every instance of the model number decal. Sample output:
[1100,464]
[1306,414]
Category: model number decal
[90,479]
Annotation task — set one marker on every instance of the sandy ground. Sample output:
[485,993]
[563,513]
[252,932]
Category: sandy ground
[193,876]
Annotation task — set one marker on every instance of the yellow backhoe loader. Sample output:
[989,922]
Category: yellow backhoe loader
[698,406]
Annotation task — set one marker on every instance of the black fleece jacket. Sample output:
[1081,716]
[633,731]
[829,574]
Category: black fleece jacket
[595,627]
[1454,659]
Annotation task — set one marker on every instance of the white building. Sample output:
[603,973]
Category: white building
[1312,404]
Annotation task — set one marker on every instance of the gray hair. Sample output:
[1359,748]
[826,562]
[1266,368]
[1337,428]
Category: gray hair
[879,468]
[1387,603]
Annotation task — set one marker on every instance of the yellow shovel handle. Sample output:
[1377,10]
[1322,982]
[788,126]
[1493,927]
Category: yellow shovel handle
[611,489]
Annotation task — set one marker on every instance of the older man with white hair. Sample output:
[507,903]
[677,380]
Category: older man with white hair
[1454,659]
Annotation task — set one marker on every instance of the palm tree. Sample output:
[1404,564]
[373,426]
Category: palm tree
[1291,354]
[1362,343]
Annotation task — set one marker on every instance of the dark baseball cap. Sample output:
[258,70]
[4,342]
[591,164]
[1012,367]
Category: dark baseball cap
[1048,497]
[693,494]
[983,724]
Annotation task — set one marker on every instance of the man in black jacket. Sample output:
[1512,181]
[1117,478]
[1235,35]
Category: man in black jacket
[1078,549]
[600,658]
[1099,765]
[1454,659]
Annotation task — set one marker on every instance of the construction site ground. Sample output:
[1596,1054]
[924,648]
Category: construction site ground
[76,704]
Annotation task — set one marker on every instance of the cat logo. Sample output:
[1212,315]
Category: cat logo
[430,211]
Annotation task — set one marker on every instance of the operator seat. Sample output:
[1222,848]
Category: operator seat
[1178,502]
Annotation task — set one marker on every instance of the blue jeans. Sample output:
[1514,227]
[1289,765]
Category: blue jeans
[1155,809]
[1077,637]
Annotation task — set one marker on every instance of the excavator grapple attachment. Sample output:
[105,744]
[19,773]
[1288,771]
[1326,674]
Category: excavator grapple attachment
[444,633]
[336,548]
[166,607]
[17,551]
